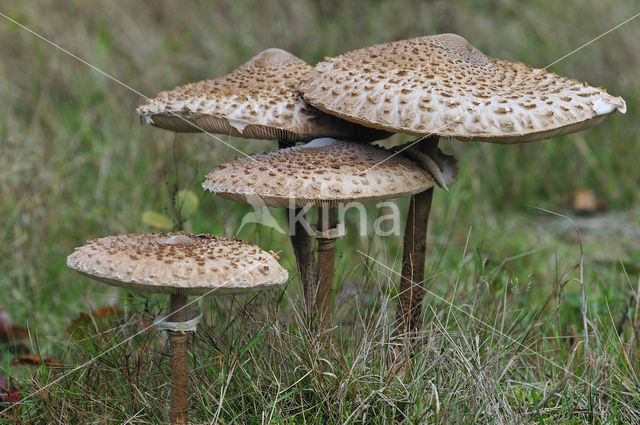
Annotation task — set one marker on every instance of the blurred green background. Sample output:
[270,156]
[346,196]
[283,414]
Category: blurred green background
[76,164]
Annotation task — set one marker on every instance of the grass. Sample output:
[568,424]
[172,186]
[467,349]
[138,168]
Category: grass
[504,317]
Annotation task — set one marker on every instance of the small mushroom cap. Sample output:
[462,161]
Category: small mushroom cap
[324,171]
[259,100]
[443,85]
[179,263]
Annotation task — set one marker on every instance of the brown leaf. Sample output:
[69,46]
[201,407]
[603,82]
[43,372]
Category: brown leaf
[14,334]
[98,320]
[28,360]
[106,311]
[15,337]
[88,327]
[586,202]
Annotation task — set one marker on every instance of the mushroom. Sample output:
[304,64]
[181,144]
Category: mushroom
[258,100]
[324,173]
[180,264]
[442,86]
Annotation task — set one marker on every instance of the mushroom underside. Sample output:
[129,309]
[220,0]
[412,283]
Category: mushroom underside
[506,138]
[212,124]
[169,288]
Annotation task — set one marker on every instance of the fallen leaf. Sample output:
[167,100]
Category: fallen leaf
[15,337]
[586,202]
[98,321]
[107,324]
[14,334]
[106,311]
[32,360]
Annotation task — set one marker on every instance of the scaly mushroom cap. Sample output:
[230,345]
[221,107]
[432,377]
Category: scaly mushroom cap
[443,85]
[178,263]
[259,100]
[324,171]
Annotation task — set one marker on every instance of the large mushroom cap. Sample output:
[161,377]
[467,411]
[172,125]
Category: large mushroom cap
[324,171]
[178,263]
[443,85]
[259,100]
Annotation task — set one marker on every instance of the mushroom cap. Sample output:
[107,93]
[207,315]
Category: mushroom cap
[259,100]
[178,263]
[323,172]
[442,85]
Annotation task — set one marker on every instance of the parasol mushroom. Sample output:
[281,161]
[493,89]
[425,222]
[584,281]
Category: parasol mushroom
[324,173]
[441,86]
[258,100]
[180,264]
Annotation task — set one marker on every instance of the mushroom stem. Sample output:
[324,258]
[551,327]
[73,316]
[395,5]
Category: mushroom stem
[413,256]
[178,308]
[179,367]
[326,259]
[303,250]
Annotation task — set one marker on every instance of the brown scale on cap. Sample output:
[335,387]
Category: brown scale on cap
[443,85]
[178,263]
[325,171]
[259,100]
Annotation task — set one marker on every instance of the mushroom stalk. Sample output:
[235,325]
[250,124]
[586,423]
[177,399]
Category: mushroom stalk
[179,367]
[326,261]
[302,249]
[413,256]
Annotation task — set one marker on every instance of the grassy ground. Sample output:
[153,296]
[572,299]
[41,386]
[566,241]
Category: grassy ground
[504,337]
